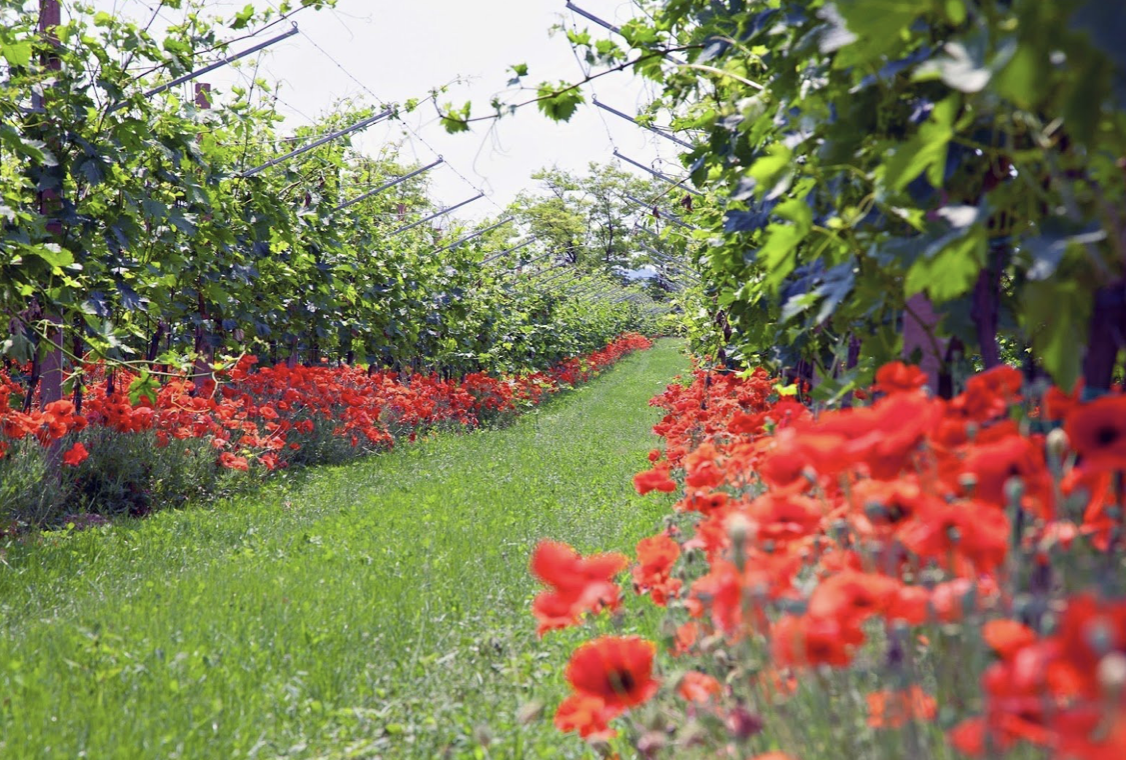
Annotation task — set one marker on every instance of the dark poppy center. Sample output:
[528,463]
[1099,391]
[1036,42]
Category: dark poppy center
[1106,435]
[819,649]
[622,681]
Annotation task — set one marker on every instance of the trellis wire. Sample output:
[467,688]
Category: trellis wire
[663,214]
[525,244]
[657,174]
[317,143]
[634,121]
[478,233]
[436,214]
[386,185]
[211,67]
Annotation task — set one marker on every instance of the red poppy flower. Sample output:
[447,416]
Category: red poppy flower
[588,715]
[971,531]
[1089,629]
[994,463]
[656,479]
[898,377]
[746,424]
[1058,404]
[656,555]
[911,604]
[883,436]
[989,394]
[560,566]
[806,640]
[781,517]
[76,455]
[1092,732]
[617,669]
[579,585]
[703,470]
[1007,637]
[233,462]
[1097,432]
[702,502]
[698,687]
[881,507]
[950,600]
[970,736]
[893,709]
[685,639]
[852,597]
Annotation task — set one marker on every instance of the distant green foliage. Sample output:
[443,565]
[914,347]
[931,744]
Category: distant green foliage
[166,252]
[858,153]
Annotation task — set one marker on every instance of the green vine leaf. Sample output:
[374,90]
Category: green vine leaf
[558,102]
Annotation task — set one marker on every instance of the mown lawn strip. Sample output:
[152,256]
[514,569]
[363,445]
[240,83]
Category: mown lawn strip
[376,608]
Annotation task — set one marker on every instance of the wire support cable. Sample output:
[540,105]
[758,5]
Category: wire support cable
[634,121]
[406,126]
[388,185]
[661,214]
[211,67]
[476,234]
[542,272]
[504,253]
[605,24]
[436,214]
[317,143]
[657,174]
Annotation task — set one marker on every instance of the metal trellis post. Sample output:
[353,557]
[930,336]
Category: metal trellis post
[211,67]
[478,233]
[389,184]
[317,143]
[634,121]
[656,173]
[435,215]
[525,244]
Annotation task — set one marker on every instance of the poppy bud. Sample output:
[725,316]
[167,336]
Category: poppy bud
[738,528]
[1099,637]
[1014,490]
[1112,674]
[1058,444]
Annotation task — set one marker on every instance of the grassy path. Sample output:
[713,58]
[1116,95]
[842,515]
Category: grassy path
[375,609]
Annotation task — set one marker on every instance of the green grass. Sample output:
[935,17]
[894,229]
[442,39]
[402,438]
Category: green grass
[374,609]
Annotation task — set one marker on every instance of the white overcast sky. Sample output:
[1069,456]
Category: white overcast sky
[400,49]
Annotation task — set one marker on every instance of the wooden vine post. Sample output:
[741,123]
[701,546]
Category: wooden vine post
[204,351]
[919,324]
[52,364]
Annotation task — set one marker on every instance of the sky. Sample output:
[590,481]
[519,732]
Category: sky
[380,51]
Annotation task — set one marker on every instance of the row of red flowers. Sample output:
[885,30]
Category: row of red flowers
[847,541]
[263,415]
